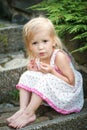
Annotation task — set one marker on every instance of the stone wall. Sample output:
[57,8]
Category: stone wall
[16,11]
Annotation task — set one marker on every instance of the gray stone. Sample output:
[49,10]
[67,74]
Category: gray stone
[17,11]
[19,54]
[12,60]
[68,122]
[11,39]
[16,63]
[6,105]
[1,68]
[5,128]
[8,80]
[3,60]
[75,121]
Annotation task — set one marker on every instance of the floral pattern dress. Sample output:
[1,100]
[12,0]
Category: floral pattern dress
[58,94]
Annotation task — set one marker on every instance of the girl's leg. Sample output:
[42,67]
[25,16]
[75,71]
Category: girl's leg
[24,101]
[24,98]
[28,115]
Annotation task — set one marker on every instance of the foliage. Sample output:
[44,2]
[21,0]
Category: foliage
[69,17]
[14,94]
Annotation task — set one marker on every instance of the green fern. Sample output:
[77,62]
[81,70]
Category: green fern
[81,36]
[68,17]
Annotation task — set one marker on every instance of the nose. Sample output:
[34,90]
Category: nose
[40,46]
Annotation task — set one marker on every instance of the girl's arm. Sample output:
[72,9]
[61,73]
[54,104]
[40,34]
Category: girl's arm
[63,63]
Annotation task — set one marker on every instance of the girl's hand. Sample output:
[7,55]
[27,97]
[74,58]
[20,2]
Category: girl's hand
[32,65]
[45,68]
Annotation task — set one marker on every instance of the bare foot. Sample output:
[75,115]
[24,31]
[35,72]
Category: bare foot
[16,115]
[23,120]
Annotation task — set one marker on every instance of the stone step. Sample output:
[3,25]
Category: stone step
[8,80]
[10,38]
[12,65]
[11,42]
[48,119]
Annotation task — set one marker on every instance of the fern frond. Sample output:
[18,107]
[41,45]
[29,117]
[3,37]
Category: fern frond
[69,17]
[78,28]
[81,36]
[80,49]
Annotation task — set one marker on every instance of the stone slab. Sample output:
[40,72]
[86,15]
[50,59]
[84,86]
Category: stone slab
[75,121]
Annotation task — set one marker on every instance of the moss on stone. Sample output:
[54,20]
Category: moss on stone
[2,25]
[4,39]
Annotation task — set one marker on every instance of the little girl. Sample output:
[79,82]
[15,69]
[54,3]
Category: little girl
[50,77]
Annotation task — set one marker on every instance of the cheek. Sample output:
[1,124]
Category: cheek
[50,46]
[31,48]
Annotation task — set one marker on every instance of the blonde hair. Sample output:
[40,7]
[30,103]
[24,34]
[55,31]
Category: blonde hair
[35,24]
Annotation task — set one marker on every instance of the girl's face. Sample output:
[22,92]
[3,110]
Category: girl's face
[41,45]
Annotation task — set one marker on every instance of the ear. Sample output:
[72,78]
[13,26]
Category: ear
[54,45]
[54,41]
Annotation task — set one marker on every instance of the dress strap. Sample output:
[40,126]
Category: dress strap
[53,57]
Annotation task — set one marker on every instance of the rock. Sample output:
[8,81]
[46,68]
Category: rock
[17,11]
[16,63]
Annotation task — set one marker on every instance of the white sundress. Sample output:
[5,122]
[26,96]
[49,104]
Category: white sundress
[61,96]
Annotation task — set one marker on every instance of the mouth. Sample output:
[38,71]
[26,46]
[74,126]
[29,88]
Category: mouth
[42,54]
